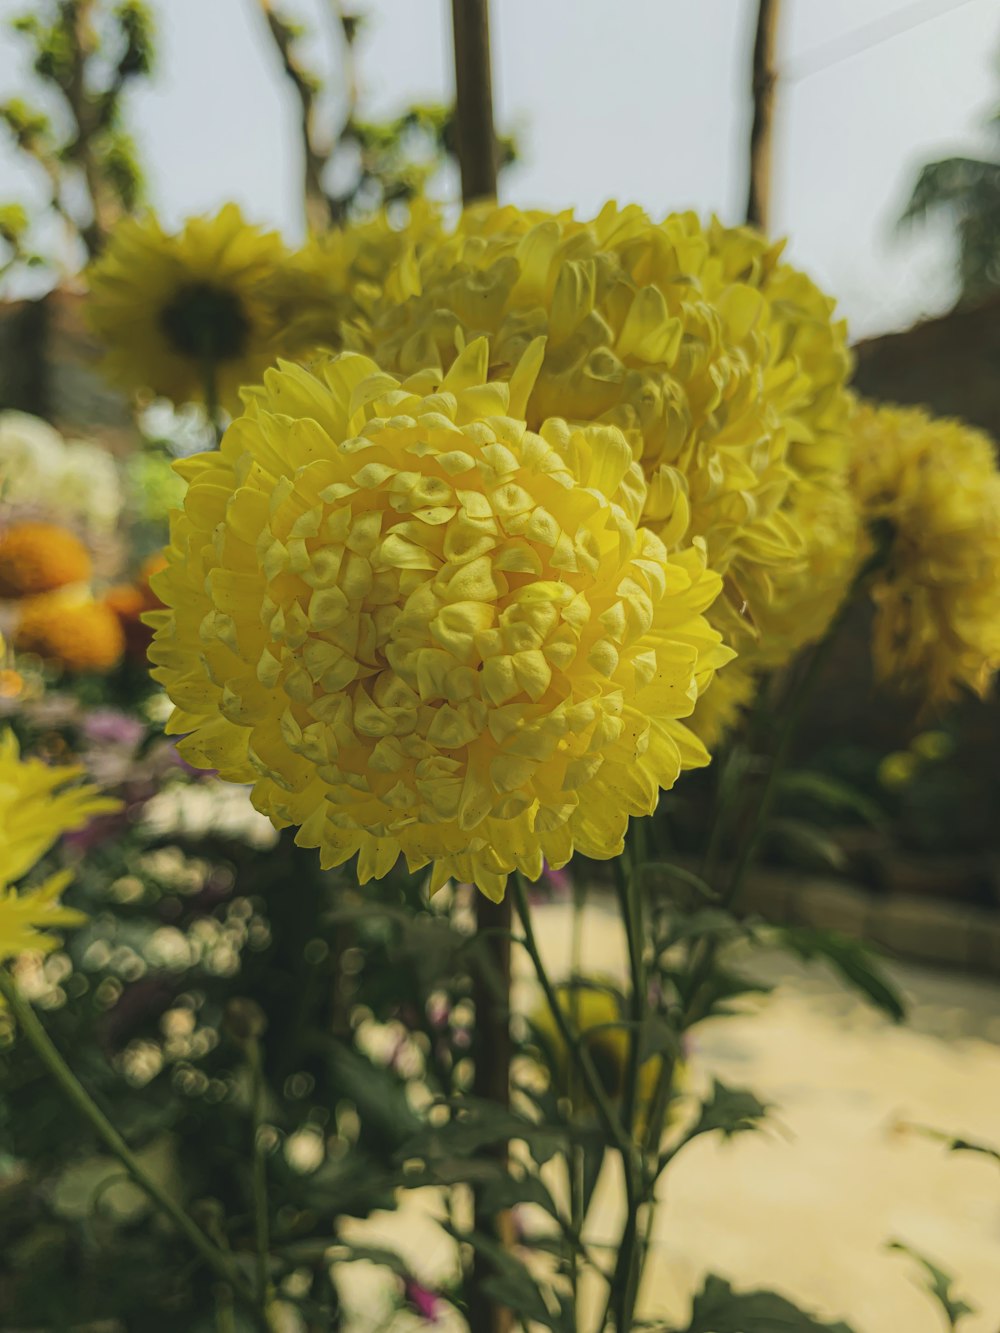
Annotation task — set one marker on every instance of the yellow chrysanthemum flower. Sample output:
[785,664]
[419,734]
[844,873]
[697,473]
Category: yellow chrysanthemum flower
[632,340]
[723,366]
[598,1012]
[40,557]
[326,294]
[181,313]
[37,806]
[806,367]
[930,492]
[73,635]
[420,628]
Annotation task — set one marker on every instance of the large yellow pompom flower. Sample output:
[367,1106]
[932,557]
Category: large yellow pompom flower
[40,557]
[930,492]
[186,315]
[37,806]
[723,366]
[420,628]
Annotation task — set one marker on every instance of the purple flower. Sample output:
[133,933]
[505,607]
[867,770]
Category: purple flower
[421,1301]
[108,726]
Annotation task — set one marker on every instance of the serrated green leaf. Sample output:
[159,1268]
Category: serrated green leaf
[719,1309]
[730,1111]
[955,1144]
[939,1284]
[855,960]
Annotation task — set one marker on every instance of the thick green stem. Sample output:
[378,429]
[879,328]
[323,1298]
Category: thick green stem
[34,1031]
[625,1283]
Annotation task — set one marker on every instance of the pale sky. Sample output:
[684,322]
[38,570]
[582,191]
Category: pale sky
[639,100]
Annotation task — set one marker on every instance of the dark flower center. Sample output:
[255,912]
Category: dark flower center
[206,323]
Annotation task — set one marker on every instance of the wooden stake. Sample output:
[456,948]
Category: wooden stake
[474,133]
[761,130]
[477,158]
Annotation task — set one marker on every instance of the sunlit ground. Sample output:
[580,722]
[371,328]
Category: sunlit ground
[806,1207]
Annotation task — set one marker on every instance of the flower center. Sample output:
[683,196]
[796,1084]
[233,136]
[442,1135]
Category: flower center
[206,323]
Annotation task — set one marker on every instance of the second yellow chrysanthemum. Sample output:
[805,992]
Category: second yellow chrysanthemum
[930,493]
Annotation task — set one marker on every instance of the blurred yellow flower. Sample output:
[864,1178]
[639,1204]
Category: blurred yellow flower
[598,1012]
[423,629]
[897,770]
[325,295]
[40,557]
[72,635]
[37,806]
[185,315]
[929,491]
[932,745]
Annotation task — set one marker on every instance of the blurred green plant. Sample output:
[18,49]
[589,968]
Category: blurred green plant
[86,55]
[967,191]
[362,164]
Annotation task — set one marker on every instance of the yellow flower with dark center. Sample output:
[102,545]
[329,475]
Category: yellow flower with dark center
[184,315]
[421,628]
[929,491]
[38,805]
[40,557]
[73,635]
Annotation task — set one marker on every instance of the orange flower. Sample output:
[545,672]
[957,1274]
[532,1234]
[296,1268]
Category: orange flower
[77,636]
[40,557]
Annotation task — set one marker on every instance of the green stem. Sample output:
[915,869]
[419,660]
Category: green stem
[608,1115]
[33,1029]
[210,385]
[625,1283]
[575,1162]
[260,1201]
[704,953]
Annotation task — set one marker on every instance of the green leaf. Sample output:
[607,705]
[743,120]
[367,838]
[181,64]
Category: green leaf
[509,1191]
[833,794]
[953,1144]
[722,984]
[805,841]
[510,1283]
[713,922]
[856,962]
[719,1309]
[476,1125]
[667,877]
[729,1110]
[939,1284]
[658,1037]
